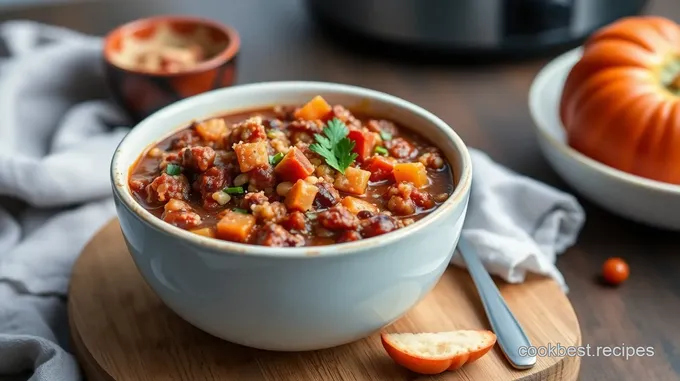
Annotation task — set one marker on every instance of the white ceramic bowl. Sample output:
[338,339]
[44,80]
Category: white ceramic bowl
[290,299]
[636,198]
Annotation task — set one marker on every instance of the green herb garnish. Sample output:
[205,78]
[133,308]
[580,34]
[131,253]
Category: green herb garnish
[234,190]
[239,210]
[271,134]
[381,150]
[273,160]
[384,135]
[173,169]
[335,147]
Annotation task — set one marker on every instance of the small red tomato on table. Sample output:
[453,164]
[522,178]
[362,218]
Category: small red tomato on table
[615,271]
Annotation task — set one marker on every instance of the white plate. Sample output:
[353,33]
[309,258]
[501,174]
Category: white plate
[630,196]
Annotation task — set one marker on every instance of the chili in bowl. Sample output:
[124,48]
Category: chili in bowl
[291,215]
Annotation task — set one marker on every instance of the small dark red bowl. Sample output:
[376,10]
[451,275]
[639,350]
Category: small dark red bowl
[142,91]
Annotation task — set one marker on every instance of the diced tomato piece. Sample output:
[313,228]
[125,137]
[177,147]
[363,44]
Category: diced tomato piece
[294,166]
[364,143]
[381,167]
[354,181]
[301,196]
[251,155]
[235,226]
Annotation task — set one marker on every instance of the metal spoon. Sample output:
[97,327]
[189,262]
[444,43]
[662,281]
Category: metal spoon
[509,332]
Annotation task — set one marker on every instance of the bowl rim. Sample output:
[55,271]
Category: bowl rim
[226,55]
[546,78]
[122,192]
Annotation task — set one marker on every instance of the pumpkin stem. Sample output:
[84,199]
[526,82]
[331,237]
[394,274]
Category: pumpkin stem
[670,75]
[675,83]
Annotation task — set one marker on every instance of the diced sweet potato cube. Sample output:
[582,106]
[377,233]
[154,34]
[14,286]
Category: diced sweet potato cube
[317,108]
[175,205]
[235,226]
[356,205]
[301,196]
[354,181]
[251,155]
[381,167]
[294,166]
[414,173]
[206,232]
[212,130]
[364,143]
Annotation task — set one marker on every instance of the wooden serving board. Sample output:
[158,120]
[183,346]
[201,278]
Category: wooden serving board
[122,331]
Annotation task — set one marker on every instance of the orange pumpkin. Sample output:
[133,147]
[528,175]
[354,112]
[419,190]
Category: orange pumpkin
[621,101]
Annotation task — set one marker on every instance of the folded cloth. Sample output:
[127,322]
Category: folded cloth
[57,136]
[56,190]
[516,224]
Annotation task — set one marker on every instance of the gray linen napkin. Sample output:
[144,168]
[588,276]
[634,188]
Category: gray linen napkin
[56,189]
[53,99]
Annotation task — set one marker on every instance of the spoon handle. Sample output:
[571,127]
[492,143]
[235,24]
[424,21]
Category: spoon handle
[509,332]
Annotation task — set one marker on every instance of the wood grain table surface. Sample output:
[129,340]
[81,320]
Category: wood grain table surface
[487,105]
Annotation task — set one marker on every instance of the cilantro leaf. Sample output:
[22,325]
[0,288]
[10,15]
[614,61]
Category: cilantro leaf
[334,145]
[344,154]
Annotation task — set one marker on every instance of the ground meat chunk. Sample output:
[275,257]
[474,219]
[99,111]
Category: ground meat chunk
[432,160]
[212,180]
[269,212]
[273,124]
[249,131]
[253,198]
[304,148]
[349,236]
[165,187]
[139,184]
[184,139]
[209,182]
[381,126]
[327,196]
[169,158]
[182,219]
[403,198]
[377,225]
[228,160]
[401,149]
[198,158]
[276,236]
[422,199]
[338,218]
[180,214]
[279,141]
[301,137]
[346,116]
[284,112]
[401,206]
[310,126]
[262,177]
[295,221]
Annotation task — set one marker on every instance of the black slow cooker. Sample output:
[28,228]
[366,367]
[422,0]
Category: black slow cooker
[469,26]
